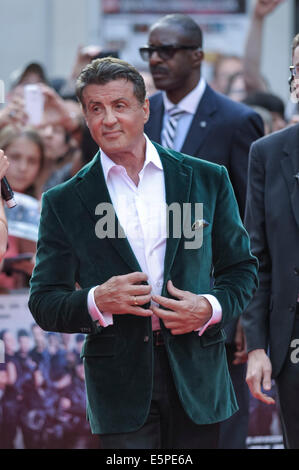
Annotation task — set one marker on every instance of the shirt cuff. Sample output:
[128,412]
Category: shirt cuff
[216,313]
[104,319]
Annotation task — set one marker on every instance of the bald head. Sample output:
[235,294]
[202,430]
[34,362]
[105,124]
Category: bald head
[182,23]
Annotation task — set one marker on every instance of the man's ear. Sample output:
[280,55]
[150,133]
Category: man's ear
[198,57]
[146,109]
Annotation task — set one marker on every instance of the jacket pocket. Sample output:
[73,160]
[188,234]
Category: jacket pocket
[209,340]
[100,346]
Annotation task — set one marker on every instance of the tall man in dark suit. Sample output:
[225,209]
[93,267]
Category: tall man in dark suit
[271,321]
[210,126]
[155,364]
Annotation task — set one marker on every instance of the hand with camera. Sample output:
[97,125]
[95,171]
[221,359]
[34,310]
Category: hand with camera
[57,111]
[14,113]
[265,7]
[84,56]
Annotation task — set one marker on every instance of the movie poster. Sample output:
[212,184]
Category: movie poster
[42,388]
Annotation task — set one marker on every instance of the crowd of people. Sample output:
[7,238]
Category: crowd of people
[51,152]
[42,393]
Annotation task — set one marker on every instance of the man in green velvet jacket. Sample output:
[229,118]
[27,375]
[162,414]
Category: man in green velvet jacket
[127,252]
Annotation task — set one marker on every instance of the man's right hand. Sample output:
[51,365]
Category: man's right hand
[259,369]
[124,294]
[265,7]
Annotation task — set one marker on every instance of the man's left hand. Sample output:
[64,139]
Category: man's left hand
[240,355]
[189,313]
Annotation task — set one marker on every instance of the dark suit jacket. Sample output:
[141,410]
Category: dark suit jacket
[272,219]
[119,359]
[221,132]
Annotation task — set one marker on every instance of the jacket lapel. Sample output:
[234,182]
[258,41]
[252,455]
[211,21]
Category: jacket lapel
[290,168]
[201,123]
[92,190]
[178,178]
[200,126]
[154,125]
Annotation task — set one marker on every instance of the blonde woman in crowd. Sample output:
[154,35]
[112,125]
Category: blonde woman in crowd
[25,152]
[3,223]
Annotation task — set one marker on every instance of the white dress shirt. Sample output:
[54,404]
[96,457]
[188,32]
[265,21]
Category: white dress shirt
[141,211]
[188,104]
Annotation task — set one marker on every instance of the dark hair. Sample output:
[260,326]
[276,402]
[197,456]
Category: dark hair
[22,333]
[2,333]
[189,27]
[103,71]
[272,103]
[33,67]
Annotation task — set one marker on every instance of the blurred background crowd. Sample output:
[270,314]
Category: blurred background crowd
[51,150]
[42,388]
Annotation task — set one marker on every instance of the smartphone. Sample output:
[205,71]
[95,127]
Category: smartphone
[34,103]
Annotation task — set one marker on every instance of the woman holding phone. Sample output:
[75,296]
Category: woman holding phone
[3,223]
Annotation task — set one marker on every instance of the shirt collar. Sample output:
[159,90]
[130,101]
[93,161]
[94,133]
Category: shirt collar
[151,156]
[190,102]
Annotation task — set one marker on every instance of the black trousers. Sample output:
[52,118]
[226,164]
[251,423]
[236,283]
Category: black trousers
[234,430]
[288,391]
[167,426]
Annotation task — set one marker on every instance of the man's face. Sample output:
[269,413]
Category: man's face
[296,78]
[25,162]
[24,343]
[53,135]
[114,116]
[176,72]
[229,66]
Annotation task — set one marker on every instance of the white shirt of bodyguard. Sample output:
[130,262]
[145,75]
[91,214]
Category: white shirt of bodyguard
[141,211]
[188,104]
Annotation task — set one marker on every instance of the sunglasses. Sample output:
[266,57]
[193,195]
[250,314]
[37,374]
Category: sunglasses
[164,52]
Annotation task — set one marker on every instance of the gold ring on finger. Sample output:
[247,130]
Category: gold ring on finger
[135,300]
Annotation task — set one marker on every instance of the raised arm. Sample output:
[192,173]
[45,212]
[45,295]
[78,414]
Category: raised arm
[254,44]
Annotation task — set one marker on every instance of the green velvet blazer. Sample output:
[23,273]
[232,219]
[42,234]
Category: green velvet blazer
[118,359]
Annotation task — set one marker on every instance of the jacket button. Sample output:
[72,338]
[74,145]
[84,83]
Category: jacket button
[146,339]
[291,308]
[296,271]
